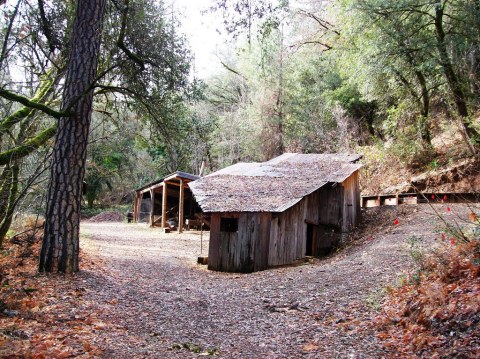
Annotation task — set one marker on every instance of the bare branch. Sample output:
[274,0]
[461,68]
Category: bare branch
[121,39]
[7,33]
[322,22]
[47,31]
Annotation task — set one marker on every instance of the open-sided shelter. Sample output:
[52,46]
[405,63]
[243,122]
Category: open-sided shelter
[164,199]
[276,212]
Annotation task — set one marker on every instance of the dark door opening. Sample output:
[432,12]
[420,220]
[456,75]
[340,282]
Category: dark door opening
[311,239]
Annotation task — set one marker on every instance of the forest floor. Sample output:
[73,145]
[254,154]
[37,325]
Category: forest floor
[140,294]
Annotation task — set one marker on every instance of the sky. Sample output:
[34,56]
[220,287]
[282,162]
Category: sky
[201,34]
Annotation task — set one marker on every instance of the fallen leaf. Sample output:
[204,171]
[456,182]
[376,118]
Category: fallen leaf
[310,347]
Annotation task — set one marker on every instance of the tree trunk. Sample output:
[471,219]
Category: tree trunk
[62,220]
[475,71]
[423,122]
[8,194]
[452,79]
[280,148]
[475,54]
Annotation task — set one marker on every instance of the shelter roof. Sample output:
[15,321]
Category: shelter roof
[173,176]
[271,186]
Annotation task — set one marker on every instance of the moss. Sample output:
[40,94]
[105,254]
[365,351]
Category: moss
[28,147]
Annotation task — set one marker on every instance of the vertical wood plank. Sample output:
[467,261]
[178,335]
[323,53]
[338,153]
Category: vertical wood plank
[135,208]
[273,243]
[291,240]
[238,254]
[152,207]
[181,200]
[310,205]
[164,205]
[350,202]
[214,244]
[262,245]
[245,243]
[281,236]
[358,197]
[255,240]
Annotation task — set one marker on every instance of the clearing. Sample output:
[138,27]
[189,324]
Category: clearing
[140,294]
[162,304]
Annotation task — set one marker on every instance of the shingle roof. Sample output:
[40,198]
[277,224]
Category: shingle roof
[271,186]
[316,157]
[178,174]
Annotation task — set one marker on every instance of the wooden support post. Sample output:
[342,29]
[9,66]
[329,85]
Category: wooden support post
[164,205]
[152,207]
[180,207]
[135,208]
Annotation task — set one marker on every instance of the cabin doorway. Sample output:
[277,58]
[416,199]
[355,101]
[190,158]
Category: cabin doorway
[311,240]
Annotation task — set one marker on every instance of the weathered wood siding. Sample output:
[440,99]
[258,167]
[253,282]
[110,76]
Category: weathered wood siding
[330,217]
[288,235]
[262,246]
[214,245]
[351,211]
[271,239]
[145,206]
[330,204]
[245,250]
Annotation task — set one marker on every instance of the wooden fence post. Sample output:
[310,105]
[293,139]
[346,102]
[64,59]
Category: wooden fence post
[180,207]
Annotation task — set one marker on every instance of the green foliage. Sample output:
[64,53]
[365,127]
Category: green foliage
[143,88]
[415,250]
[434,165]
[375,298]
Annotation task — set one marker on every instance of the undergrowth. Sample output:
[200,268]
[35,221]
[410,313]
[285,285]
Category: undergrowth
[435,313]
[87,212]
[43,316]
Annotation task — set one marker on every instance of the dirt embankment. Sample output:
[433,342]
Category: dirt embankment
[461,177]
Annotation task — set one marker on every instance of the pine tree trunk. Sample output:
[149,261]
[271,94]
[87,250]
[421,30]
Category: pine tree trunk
[62,221]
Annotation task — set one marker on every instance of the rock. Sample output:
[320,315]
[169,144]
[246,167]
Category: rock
[202,260]
[10,313]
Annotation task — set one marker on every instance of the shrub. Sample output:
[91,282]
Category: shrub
[437,313]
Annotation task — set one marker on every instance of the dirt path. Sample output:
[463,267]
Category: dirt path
[162,305]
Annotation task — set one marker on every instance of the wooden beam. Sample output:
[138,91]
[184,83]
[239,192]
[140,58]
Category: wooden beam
[185,184]
[155,186]
[180,207]
[152,207]
[145,190]
[169,178]
[135,208]
[148,189]
[164,205]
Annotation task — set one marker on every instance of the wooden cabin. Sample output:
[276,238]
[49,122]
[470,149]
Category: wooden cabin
[165,201]
[277,212]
